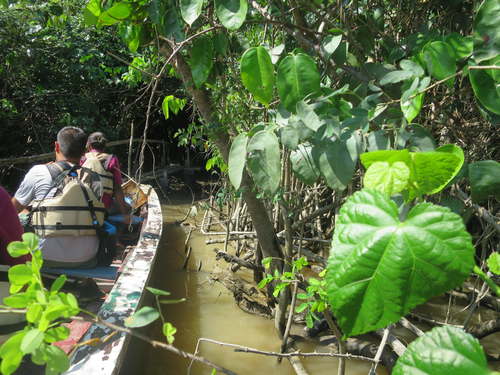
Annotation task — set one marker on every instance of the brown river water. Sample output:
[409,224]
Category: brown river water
[210,312]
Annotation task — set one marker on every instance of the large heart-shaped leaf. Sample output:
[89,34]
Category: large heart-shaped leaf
[444,350]
[440,60]
[380,268]
[231,13]
[484,179]
[303,165]
[334,162]
[298,76]
[191,10]
[487,29]
[237,159]
[264,160]
[257,73]
[201,60]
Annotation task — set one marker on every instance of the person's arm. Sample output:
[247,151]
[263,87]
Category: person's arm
[18,206]
[118,191]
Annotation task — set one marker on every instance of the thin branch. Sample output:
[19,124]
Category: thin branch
[245,349]
[380,350]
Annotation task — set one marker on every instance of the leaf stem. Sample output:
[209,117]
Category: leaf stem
[484,276]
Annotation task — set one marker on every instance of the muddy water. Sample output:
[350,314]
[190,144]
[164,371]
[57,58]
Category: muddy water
[211,312]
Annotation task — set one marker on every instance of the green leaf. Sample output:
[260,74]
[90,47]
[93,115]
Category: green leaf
[120,10]
[487,30]
[142,317]
[264,161]
[231,13]
[420,138]
[380,268]
[34,312]
[484,179]
[462,45]
[165,15]
[334,163]
[301,307]
[396,76]
[17,249]
[158,292]
[493,262]
[11,353]
[303,164]
[31,239]
[92,12]
[307,115]
[237,159]
[388,177]
[169,331]
[440,60]
[58,284]
[266,262]
[17,301]
[31,341]
[378,140]
[20,274]
[411,102]
[433,170]
[191,10]
[486,88]
[413,67]
[201,60]
[444,350]
[57,360]
[172,104]
[257,74]
[298,77]
[330,44]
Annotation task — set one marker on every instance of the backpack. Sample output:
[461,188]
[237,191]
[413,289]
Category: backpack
[99,163]
[75,209]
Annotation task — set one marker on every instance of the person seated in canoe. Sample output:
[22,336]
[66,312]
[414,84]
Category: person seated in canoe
[10,230]
[107,167]
[64,204]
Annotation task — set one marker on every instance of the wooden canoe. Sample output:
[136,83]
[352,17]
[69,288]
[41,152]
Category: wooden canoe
[108,352]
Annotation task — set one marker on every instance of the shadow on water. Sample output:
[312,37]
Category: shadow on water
[210,311]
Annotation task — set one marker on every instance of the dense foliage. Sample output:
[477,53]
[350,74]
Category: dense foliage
[312,101]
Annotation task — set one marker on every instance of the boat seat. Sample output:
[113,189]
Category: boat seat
[102,272]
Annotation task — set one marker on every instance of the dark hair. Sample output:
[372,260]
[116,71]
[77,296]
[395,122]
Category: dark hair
[97,140]
[72,141]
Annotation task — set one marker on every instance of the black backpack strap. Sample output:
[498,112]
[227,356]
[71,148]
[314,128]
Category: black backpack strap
[92,210]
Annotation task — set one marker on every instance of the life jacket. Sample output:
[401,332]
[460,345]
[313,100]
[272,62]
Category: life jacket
[99,163]
[74,210]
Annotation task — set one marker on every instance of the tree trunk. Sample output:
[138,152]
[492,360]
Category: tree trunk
[260,219]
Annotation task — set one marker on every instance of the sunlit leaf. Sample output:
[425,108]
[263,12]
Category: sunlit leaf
[380,268]
[237,159]
[493,262]
[303,164]
[231,13]
[264,161]
[257,74]
[440,60]
[298,77]
[142,317]
[444,350]
[191,10]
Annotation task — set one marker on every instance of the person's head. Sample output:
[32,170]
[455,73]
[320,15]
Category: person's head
[70,143]
[97,141]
